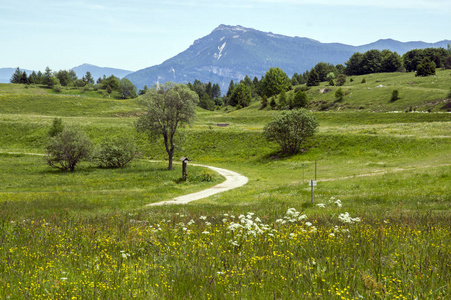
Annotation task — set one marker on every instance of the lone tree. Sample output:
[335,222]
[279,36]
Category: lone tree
[290,129]
[167,106]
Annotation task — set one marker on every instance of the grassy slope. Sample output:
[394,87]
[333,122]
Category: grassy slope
[359,153]
[88,235]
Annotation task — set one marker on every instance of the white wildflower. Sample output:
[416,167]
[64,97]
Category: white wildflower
[308,224]
[202,218]
[321,205]
[205,232]
[346,218]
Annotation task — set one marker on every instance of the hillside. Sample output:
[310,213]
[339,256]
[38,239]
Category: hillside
[232,52]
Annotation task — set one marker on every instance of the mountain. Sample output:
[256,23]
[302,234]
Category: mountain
[7,73]
[97,72]
[232,52]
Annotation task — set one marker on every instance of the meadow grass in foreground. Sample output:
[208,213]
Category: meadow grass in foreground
[163,254]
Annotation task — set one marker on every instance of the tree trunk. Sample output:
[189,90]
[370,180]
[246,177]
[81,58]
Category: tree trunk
[170,156]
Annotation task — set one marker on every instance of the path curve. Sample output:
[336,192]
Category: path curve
[233,180]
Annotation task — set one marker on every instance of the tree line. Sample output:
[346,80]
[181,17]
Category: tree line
[68,78]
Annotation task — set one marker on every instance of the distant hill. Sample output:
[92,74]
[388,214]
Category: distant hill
[231,52]
[97,72]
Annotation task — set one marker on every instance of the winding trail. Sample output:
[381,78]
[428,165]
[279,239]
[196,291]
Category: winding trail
[233,181]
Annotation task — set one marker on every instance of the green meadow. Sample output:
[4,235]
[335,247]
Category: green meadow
[378,226]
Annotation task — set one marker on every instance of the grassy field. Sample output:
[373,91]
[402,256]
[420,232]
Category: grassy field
[378,227]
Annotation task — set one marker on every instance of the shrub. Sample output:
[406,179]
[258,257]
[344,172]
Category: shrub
[67,149]
[290,129]
[57,127]
[300,100]
[58,88]
[339,94]
[116,153]
[341,80]
[394,95]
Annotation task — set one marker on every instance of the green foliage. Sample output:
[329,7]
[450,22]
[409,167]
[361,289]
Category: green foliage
[313,78]
[264,102]
[111,84]
[66,78]
[283,100]
[426,68]
[339,94]
[53,81]
[300,99]
[128,90]
[206,103]
[167,106]
[241,95]
[272,103]
[290,129]
[57,127]
[19,76]
[341,80]
[67,149]
[116,152]
[274,82]
[58,88]
[394,95]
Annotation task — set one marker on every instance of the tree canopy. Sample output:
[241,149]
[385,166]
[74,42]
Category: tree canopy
[167,106]
[274,82]
[290,129]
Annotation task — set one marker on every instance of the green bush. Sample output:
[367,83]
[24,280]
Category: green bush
[67,149]
[290,129]
[339,94]
[116,152]
[394,95]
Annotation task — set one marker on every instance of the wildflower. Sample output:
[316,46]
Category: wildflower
[191,222]
[322,205]
[207,223]
[202,218]
[63,278]
[124,255]
[234,243]
[205,232]
[346,218]
[302,217]
[224,220]
[308,224]
[332,234]
[338,203]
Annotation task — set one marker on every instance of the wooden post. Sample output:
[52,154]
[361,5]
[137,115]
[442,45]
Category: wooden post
[185,161]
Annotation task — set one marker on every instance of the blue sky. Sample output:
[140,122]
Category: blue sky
[136,34]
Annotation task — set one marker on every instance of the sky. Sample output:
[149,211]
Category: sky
[136,34]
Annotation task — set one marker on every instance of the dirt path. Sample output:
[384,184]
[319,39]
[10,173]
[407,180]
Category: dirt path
[233,181]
